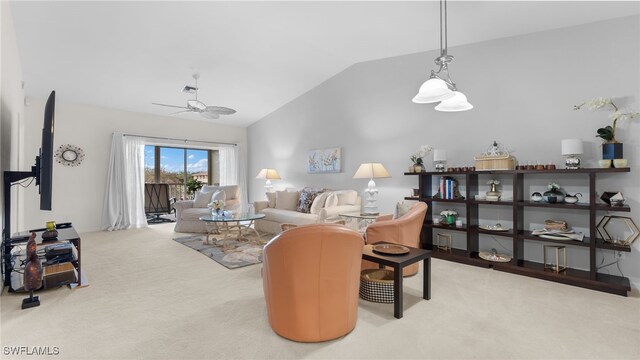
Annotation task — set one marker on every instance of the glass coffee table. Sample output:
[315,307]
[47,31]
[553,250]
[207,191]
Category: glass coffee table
[358,221]
[227,224]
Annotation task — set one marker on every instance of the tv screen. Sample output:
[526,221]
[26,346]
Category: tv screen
[45,176]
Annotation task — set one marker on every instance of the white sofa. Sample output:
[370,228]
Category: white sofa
[188,215]
[326,207]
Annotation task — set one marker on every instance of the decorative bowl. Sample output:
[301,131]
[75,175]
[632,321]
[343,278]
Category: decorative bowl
[604,163]
[620,163]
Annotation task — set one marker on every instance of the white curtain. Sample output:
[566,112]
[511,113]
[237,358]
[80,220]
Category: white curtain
[124,196]
[232,170]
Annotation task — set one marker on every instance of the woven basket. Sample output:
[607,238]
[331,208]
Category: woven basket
[376,285]
[500,162]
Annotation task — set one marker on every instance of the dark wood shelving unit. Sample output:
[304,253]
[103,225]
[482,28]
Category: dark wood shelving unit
[590,278]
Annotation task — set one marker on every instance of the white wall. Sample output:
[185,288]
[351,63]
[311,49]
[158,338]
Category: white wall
[523,89]
[11,102]
[78,192]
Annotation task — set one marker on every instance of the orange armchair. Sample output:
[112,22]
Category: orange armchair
[404,230]
[311,278]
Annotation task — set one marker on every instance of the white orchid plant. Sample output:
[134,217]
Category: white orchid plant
[493,182]
[423,151]
[446,213]
[553,186]
[608,133]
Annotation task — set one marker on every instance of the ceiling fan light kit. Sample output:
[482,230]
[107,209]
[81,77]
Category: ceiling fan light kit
[440,87]
[197,106]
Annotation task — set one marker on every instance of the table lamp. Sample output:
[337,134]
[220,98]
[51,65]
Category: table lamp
[571,148]
[269,174]
[371,171]
[439,159]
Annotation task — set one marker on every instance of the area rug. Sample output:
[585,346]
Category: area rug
[239,254]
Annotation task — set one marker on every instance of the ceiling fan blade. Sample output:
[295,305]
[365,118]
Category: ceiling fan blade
[173,106]
[180,112]
[219,110]
[210,115]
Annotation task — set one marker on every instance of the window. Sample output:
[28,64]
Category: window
[176,166]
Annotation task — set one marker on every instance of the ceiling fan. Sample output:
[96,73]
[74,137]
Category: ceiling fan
[197,106]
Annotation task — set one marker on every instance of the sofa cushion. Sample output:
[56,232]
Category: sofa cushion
[287,200]
[347,197]
[219,195]
[194,213]
[307,195]
[288,217]
[318,202]
[271,198]
[231,191]
[202,198]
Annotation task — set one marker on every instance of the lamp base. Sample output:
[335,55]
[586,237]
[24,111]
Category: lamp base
[31,301]
[439,166]
[572,163]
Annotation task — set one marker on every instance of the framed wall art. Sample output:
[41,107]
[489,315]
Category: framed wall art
[324,161]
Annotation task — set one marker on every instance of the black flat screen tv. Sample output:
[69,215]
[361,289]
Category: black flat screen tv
[44,170]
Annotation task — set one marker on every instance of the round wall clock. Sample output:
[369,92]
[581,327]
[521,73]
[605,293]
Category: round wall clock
[69,155]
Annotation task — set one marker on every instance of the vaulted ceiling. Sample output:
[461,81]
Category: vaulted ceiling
[252,56]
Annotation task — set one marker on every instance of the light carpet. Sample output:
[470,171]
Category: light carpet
[239,254]
[152,298]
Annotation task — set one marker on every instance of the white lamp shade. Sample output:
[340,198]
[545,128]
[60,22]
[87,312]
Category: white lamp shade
[269,174]
[433,90]
[457,103]
[371,171]
[572,147]
[439,155]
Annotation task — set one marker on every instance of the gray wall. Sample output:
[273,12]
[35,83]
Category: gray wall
[523,89]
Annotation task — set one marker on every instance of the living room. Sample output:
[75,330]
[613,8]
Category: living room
[523,75]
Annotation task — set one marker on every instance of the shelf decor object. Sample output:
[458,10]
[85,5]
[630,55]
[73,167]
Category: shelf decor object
[493,194]
[440,87]
[553,195]
[417,157]
[371,171]
[443,242]
[32,274]
[571,148]
[560,258]
[611,148]
[630,233]
[268,174]
[495,158]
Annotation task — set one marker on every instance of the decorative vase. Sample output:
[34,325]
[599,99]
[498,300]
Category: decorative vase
[418,168]
[493,194]
[450,219]
[553,196]
[611,151]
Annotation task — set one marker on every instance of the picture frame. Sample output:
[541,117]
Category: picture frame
[327,160]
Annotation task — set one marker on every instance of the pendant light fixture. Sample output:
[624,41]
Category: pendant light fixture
[440,87]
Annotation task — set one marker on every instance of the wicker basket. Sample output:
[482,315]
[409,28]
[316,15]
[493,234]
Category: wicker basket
[376,285]
[500,162]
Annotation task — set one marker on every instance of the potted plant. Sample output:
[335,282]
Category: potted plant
[611,148]
[448,216]
[416,158]
[193,185]
[217,207]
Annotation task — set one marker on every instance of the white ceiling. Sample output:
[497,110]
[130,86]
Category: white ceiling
[252,56]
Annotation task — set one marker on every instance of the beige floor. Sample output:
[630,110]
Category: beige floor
[152,298]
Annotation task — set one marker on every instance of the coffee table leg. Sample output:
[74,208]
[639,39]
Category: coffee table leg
[397,292]
[426,279]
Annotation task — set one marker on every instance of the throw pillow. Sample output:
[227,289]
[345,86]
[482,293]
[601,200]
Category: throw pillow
[319,202]
[201,199]
[271,197]
[307,195]
[332,200]
[401,209]
[287,200]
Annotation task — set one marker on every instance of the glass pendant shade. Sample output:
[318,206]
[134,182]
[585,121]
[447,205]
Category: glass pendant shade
[433,90]
[457,103]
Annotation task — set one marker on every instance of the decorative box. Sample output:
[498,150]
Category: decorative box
[58,275]
[495,158]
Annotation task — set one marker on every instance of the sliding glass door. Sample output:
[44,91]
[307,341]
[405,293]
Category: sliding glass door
[179,167]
